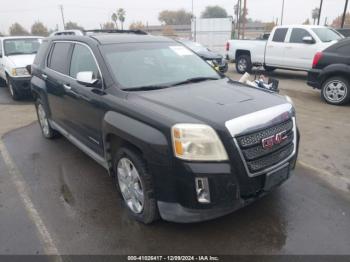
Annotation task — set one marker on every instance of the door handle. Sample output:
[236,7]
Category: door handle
[67,87]
[44,76]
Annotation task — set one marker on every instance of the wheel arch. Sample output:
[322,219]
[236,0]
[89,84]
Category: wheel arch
[333,71]
[240,52]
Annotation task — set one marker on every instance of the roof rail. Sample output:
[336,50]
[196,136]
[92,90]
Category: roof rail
[116,31]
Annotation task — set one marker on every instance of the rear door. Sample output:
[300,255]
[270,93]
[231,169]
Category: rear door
[274,54]
[56,75]
[83,109]
[298,54]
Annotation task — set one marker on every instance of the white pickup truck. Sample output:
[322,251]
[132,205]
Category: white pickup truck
[288,47]
[16,52]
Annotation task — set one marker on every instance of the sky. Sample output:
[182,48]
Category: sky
[91,13]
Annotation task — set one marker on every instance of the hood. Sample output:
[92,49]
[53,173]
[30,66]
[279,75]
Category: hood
[21,60]
[209,55]
[213,102]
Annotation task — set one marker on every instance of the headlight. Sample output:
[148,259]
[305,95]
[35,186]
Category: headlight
[20,72]
[197,142]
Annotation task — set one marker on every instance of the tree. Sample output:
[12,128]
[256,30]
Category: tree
[168,31]
[307,22]
[179,17]
[108,26]
[73,26]
[17,29]
[214,12]
[269,26]
[39,29]
[138,25]
[337,21]
[315,13]
[115,19]
[121,16]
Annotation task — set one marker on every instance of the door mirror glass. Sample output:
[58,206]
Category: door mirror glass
[308,40]
[86,78]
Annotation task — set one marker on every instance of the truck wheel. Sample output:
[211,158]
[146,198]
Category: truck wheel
[13,92]
[336,90]
[135,185]
[243,64]
[46,129]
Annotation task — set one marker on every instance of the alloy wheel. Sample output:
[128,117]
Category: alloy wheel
[335,91]
[44,123]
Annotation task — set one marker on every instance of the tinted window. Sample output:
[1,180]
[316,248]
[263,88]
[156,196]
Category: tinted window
[297,35]
[280,35]
[82,61]
[59,57]
[41,53]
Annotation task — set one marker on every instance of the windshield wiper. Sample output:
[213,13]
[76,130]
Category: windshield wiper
[195,80]
[146,88]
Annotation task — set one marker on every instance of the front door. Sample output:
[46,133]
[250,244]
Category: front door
[274,54]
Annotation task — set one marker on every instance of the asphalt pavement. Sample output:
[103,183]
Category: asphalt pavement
[83,213]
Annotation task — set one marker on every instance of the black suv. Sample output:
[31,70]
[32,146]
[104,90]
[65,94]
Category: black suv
[331,73]
[181,140]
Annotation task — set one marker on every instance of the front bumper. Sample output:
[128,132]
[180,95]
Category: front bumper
[313,78]
[21,85]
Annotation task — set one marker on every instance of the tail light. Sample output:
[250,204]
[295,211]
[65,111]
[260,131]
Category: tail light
[227,46]
[317,58]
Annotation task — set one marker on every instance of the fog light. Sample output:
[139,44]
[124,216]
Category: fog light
[202,190]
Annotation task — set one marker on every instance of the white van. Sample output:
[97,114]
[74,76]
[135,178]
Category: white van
[16,52]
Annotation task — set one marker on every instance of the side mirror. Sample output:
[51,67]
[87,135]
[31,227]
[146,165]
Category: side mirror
[308,40]
[86,78]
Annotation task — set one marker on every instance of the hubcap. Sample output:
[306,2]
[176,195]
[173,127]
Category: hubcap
[130,185]
[335,91]
[242,64]
[44,123]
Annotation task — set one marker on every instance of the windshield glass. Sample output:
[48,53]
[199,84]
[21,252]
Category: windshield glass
[21,46]
[154,64]
[327,34]
[196,47]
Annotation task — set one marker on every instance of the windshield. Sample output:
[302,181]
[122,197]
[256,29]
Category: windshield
[327,34]
[196,47]
[21,46]
[154,64]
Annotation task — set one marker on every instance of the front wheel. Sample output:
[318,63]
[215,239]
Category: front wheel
[13,92]
[135,185]
[336,90]
[243,64]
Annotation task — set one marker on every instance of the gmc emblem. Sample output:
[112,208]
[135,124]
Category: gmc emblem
[276,139]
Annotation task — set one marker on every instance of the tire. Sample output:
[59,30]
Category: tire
[336,90]
[46,129]
[136,188]
[269,68]
[13,92]
[244,64]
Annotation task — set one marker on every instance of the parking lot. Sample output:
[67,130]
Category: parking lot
[53,198]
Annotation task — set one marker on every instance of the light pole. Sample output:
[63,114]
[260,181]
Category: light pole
[344,14]
[282,12]
[319,13]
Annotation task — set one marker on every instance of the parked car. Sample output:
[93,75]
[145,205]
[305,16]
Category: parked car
[180,140]
[331,73]
[344,31]
[288,47]
[214,59]
[16,52]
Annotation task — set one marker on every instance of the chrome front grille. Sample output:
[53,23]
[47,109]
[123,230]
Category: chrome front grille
[258,159]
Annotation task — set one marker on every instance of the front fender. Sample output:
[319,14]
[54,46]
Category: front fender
[152,142]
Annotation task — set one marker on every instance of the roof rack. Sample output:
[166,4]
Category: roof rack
[116,31]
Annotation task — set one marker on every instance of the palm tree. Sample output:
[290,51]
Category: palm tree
[115,19]
[121,16]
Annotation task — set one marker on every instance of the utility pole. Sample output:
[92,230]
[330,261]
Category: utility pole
[238,17]
[282,12]
[344,14]
[64,24]
[244,17]
[319,13]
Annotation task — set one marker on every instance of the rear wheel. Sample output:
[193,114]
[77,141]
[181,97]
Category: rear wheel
[135,185]
[243,64]
[336,90]
[46,129]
